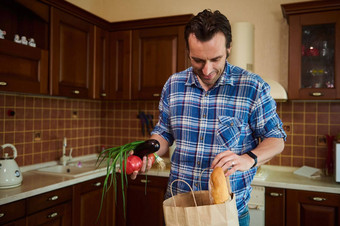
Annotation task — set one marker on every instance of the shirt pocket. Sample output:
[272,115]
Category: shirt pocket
[228,131]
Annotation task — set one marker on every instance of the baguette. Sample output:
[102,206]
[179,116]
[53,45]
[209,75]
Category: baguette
[220,191]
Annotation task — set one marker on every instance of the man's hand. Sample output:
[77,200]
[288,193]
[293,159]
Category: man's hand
[145,167]
[230,162]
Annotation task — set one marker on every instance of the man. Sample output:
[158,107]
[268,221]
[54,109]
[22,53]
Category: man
[218,114]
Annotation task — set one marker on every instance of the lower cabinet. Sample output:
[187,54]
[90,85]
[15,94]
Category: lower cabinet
[73,205]
[275,206]
[52,208]
[88,208]
[144,198]
[307,208]
[301,208]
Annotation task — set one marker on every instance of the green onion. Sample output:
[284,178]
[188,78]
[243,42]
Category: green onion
[113,156]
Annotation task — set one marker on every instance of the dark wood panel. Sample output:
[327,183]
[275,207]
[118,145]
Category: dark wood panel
[12,211]
[157,54]
[307,208]
[23,68]
[275,206]
[72,56]
[120,65]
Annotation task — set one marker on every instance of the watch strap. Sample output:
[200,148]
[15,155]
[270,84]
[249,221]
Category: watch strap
[253,156]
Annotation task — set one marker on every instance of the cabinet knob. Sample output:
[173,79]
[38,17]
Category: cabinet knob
[156,94]
[53,198]
[316,94]
[76,91]
[52,215]
[3,83]
[275,194]
[318,199]
[145,181]
[2,214]
[97,184]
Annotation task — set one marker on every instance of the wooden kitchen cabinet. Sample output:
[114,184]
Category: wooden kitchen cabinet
[13,213]
[275,206]
[101,64]
[144,53]
[24,68]
[120,65]
[87,198]
[157,54]
[144,201]
[50,208]
[307,208]
[314,50]
[72,55]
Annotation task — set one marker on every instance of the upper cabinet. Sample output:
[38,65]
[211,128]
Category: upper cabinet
[314,50]
[144,53]
[119,82]
[157,54]
[72,53]
[24,68]
[101,64]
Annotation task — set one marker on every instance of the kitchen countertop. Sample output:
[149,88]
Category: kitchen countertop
[270,176]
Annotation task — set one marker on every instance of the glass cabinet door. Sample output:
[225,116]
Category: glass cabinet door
[317,56]
[314,50]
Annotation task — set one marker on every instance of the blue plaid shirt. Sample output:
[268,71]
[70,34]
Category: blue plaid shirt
[233,115]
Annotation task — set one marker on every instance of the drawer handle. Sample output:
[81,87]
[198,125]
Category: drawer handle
[145,181]
[275,194]
[316,94]
[103,94]
[318,199]
[156,94]
[97,184]
[76,91]
[3,83]
[53,198]
[2,214]
[52,215]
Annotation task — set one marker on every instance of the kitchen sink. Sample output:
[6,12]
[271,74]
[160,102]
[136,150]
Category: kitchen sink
[73,169]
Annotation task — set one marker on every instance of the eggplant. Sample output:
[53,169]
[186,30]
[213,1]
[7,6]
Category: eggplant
[147,147]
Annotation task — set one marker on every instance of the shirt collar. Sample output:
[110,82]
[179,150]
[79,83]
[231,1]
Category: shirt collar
[225,78]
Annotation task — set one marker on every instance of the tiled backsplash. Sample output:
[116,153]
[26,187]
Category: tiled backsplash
[89,125]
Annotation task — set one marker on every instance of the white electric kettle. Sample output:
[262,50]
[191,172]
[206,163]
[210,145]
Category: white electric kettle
[10,175]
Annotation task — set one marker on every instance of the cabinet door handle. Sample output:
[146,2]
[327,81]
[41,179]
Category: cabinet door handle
[275,194]
[97,184]
[103,94]
[52,215]
[3,83]
[316,94]
[318,199]
[145,181]
[53,198]
[76,91]
[2,214]
[156,94]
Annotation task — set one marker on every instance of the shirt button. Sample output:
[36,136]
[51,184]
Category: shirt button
[198,163]
[232,124]
[196,184]
[204,116]
[206,94]
[201,138]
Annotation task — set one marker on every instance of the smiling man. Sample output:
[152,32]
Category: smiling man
[218,114]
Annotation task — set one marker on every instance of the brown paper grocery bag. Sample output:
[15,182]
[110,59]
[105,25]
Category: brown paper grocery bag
[194,208]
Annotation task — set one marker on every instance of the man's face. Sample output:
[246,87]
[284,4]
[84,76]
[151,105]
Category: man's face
[208,58]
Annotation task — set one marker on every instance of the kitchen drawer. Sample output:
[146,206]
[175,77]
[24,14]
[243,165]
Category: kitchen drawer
[48,199]
[57,215]
[12,211]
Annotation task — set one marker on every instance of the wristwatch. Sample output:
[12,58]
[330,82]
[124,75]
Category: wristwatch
[253,156]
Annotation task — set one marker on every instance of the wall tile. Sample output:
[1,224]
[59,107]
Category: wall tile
[112,123]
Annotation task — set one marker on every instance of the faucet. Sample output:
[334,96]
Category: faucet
[65,159]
